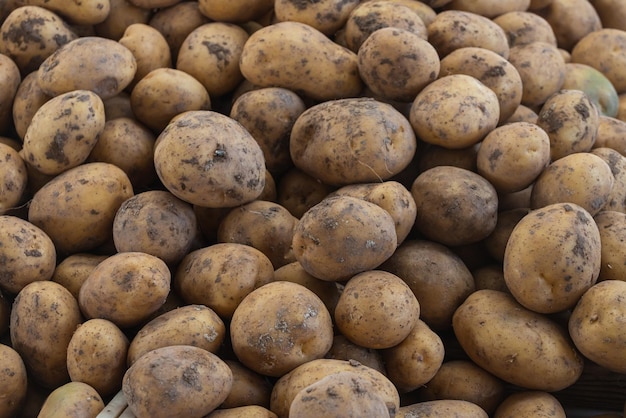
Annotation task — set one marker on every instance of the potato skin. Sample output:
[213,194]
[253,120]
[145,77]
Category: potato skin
[603,49]
[449,408]
[72,399]
[612,227]
[149,48]
[13,381]
[27,99]
[525,340]
[326,16]
[490,8]
[247,411]
[249,388]
[523,27]
[571,20]
[74,269]
[530,404]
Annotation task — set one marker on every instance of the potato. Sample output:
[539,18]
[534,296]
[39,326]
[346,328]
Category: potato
[512,156]
[571,20]
[220,276]
[455,111]
[107,67]
[96,355]
[28,99]
[340,394]
[347,141]
[435,155]
[5,314]
[82,13]
[266,226]
[495,243]
[612,13]
[530,404]
[415,360]
[123,13]
[442,408]
[437,277]
[454,29]
[180,378]
[269,114]
[63,131]
[74,222]
[376,309]
[249,388]
[326,16]
[241,12]
[490,69]
[603,50]
[300,58]
[490,8]
[287,387]
[397,64]
[148,46]
[344,349]
[617,164]
[523,114]
[14,176]
[596,86]
[464,380]
[595,324]
[523,27]
[10,78]
[454,206]
[27,253]
[73,270]
[247,411]
[43,319]
[295,328]
[612,227]
[611,134]
[126,288]
[13,381]
[298,192]
[207,159]
[507,340]
[72,399]
[563,181]
[342,236]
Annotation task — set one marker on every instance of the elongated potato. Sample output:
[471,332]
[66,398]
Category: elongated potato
[86,12]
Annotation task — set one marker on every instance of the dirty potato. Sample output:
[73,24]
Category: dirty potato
[327,16]
[612,228]
[14,175]
[523,27]
[571,20]
[149,48]
[604,49]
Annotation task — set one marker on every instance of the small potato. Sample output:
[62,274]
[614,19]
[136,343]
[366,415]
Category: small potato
[581,178]
[123,13]
[298,192]
[523,27]
[595,324]
[10,78]
[612,228]
[359,140]
[454,29]
[552,257]
[541,69]
[611,134]
[442,408]
[523,114]
[5,313]
[495,243]
[326,16]
[464,380]
[211,54]
[14,175]
[571,20]
[149,48]
[82,13]
[220,276]
[27,253]
[492,70]
[415,360]
[72,399]
[617,163]
[454,111]
[342,236]
[126,289]
[508,340]
[49,311]
[596,86]
[295,328]
[438,278]
[63,131]
[207,159]
[83,218]
[240,12]
[344,349]
[454,206]
[13,381]
[155,222]
[247,411]
[28,99]
[612,13]
[512,156]
[490,8]
[603,50]
[72,271]
[530,404]
[397,64]
[176,22]
[186,379]
[107,67]
[96,355]
[195,325]
[249,388]
[300,58]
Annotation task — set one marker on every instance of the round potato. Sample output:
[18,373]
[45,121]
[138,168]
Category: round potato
[596,86]
[72,398]
[344,349]
[571,20]
[126,289]
[495,243]
[439,408]
[13,381]
[14,175]
[73,270]
[298,192]
[490,8]
[454,111]
[27,100]
[180,378]
[221,275]
[327,16]
[248,411]
[149,48]
[249,388]
[530,404]
[611,134]
[82,13]
[123,13]
[612,227]
[617,164]
[523,114]
[207,159]
[507,340]
[296,328]
[524,27]
[603,50]
[595,324]
[10,78]
[342,236]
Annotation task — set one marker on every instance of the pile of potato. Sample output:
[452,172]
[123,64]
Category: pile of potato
[334,208]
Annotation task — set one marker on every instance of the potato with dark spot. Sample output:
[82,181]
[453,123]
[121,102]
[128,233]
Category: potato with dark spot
[344,349]
[571,20]
[326,16]
[125,289]
[182,378]
[26,252]
[397,64]
[63,131]
[523,27]
[86,12]
[107,67]
[603,49]
[13,381]
[43,319]
[72,399]
[617,164]
[300,58]
[14,175]
[249,388]
[294,329]
[123,13]
[581,178]
[74,269]
[530,404]
[612,227]
[442,408]
[512,156]
[455,206]
[552,257]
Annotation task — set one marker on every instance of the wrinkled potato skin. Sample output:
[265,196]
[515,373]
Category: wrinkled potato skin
[526,341]
[13,381]
[439,408]
[14,175]
[72,399]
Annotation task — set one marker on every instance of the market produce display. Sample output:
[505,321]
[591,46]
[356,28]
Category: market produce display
[299,209]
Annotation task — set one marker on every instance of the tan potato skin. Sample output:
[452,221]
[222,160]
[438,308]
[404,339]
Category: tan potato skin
[612,227]
[530,404]
[326,16]
[490,8]
[72,399]
[11,78]
[249,388]
[176,22]
[617,164]
[247,411]
[14,174]
[571,20]
[604,49]
[149,47]
[123,13]
[87,12]
[439,408]
[523,27]
[27,100]
[13,381]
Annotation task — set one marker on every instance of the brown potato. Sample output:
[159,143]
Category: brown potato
[72,398]
[14,175]
[247,411]
[249,388]
[612,13]
[571,20]
[298,192]
[10,78]
[530,404]
[495,243]
[490,8]
[240,12]
[13,381]
[295,328]
[523,114]
[612,228]
[523,27]
[27,100]
[442,408]
[603,49]
[123,13]
[611,134]
[344,349]
[432,155]
[82,13]
[326,16]
[617,164]
[73,270]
